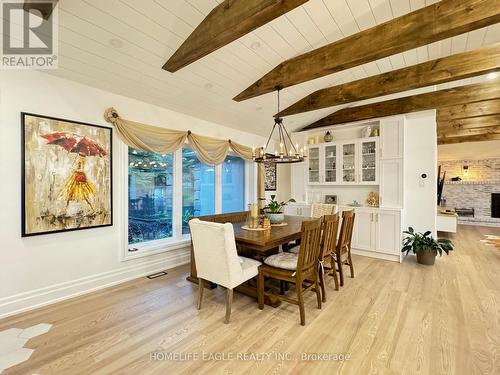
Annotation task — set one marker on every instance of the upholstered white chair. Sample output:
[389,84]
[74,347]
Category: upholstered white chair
[321,209]
[217,261]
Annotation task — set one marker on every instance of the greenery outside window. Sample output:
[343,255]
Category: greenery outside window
[150,196]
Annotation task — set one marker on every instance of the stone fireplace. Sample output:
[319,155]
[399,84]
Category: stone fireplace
[478,189]
[495,205]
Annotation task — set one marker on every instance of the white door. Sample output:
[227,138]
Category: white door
[330,164]
[314,161]
[363,232]
[388,232]
[368,162]
[391,183]
[349,160]
[391,138]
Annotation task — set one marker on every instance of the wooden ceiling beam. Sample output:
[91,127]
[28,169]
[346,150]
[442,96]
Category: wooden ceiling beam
[446,69]
[467,132]
[468,124]
[470,138]
[414,103]
[227,22]
[435,22]
[468,110]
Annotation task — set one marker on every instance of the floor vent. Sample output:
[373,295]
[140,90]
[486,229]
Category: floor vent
[156,275]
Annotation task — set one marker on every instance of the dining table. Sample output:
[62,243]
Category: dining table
[259,244]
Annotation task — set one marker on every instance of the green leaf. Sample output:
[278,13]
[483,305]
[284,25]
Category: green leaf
[406,249]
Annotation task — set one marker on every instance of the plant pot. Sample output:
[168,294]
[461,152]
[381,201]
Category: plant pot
[275,218]
[426,257]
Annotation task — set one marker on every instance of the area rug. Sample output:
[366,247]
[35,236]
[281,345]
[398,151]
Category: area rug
[492,241]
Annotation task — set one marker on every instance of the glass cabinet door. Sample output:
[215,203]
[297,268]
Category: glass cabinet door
[314,165]
[369,161]
[331,163]
[349,163]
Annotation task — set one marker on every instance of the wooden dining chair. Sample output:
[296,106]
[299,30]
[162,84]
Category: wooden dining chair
[295,268]
[326,259]
[342,253]
[326,263]
[318,210]
[217,260]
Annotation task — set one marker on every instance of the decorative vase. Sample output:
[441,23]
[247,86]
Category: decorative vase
[366,132]
[275,218]
[328,137]
[426,257]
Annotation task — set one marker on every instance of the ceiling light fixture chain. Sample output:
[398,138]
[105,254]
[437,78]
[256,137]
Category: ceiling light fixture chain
[288,151]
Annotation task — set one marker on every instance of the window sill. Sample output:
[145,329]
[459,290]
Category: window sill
[154,248]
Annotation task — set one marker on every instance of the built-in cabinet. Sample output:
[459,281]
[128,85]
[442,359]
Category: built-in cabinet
[391,162]
[353,162]
[377,232]
[298,209]
[377,161]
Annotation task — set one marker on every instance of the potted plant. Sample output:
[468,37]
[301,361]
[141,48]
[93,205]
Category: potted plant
[273,210]
[425,246]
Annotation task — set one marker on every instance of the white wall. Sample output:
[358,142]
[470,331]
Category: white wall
[420,156]
[37,270]
[282,184]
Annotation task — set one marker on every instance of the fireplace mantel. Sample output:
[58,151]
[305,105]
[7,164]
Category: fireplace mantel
[488,182]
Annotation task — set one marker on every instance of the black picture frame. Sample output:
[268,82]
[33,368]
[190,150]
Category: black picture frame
[24,232]
[271,173]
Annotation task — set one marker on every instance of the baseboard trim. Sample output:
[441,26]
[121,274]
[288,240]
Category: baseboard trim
[374,254]
[34,299]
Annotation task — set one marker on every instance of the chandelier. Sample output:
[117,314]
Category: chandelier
[288,152]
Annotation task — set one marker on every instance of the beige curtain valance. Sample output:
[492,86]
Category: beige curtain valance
[163,141]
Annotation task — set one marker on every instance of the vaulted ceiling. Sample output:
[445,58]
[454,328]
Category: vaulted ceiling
[121,46]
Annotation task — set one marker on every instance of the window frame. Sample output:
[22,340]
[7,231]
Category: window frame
[245,176]
[178,240]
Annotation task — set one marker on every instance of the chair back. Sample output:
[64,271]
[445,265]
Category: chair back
[321,209]
[215,252]
[309,245]
[329,234]
[345,237]
[232,217]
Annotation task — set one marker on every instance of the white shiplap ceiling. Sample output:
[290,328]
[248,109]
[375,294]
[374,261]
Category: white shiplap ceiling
[121,45]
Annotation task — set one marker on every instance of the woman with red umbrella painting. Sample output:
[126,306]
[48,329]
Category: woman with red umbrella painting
[77,187]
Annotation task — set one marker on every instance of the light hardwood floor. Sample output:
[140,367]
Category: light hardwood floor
[391,319]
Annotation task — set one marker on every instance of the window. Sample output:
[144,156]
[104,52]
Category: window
[150,196]
[164,191]
[233,184]
[198,188]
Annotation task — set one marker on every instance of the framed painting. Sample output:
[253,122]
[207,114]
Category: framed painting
[271,176]
[66,175]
